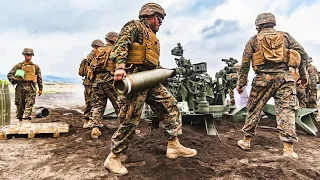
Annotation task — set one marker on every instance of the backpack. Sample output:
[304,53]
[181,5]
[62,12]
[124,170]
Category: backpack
[271,48]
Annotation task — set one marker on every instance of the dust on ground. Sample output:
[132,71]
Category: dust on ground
[75,155]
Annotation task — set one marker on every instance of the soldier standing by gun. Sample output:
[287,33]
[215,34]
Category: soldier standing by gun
[301,90]
[25,82]
[272,53]
[230,91]
[138,49]
[86,71]
[311,89]
[103,85]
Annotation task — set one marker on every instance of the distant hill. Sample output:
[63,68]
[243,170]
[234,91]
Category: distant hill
[49,78]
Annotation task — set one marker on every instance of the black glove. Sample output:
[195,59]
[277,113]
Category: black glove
[17,79]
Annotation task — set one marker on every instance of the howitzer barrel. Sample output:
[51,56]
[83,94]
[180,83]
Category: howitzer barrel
[141,80]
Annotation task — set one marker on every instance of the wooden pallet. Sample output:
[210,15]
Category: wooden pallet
[31,129]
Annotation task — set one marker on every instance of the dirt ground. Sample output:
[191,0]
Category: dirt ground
[75,155]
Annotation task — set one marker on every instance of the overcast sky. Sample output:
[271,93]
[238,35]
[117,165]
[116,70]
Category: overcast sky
[61,31]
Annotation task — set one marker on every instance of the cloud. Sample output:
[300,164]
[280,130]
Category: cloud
[220,28]
[61,31]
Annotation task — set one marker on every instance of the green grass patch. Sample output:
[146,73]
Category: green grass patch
[49,92]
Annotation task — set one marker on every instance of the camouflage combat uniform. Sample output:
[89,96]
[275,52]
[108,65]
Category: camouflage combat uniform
[87,82]
[25,91]
[231,93]
[307,96]
[301,91]
[272,80]
[102,89]
[312,89]
[302,96]
[131,105]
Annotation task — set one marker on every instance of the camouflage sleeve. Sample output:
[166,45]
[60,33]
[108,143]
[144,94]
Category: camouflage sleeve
[12,72]
[39,78]
[82,68]
[313,73]
[245,64]
[293,44]
[126,37]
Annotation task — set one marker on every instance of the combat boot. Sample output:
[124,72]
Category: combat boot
[288,150]
[175,149]
[245,143]
[95,133]
[114,165]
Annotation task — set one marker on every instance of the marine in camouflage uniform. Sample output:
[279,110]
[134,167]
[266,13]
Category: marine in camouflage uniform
[132,56]
[272,80]
[103,85]
[25,90]
[301,90]
[311,89]
[230,91]
[302,96]
[86,72]
[307,96]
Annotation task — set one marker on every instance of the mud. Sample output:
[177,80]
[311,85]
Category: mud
[75,155]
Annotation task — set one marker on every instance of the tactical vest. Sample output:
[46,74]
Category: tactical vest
[103,61]
[271,49]
[29,72]
[148,52]
[92,64]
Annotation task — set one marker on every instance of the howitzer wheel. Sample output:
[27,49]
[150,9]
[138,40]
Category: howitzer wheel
[193,84]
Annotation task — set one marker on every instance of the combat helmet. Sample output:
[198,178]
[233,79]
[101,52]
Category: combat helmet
[28,51]
[265,18]
[150,9]
[97,42]
[112,36]
[310,59]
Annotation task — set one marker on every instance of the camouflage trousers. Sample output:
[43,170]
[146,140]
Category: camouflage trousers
[101,93]
[24,100]
[312,91]
[88,96]
[161,102]
[302,96]
[283,90]
[307,97]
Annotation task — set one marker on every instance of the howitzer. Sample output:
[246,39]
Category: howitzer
[225,79]
[198,94]
[192,85]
